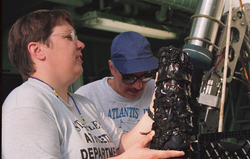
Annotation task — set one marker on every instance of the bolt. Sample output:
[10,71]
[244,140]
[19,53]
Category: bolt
[242,23]
[234,18]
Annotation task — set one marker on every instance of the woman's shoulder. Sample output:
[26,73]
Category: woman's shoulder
[28,96]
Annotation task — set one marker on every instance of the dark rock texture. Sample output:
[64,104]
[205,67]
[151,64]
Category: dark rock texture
[172,112]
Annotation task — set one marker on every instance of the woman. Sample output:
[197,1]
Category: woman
[40,119]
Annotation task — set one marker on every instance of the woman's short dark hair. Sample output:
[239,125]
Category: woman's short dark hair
[34,27]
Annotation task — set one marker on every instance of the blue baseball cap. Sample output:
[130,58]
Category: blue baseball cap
[131,53]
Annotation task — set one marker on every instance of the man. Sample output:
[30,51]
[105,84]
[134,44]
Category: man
[125,96]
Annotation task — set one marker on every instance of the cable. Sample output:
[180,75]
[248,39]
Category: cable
[248,86]
[225,69]
[240,1]
[244,69]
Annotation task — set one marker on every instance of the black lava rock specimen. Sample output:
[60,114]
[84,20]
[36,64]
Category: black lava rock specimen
[172,112]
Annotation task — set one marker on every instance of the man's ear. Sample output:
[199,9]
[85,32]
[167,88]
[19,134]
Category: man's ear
[111,67]
[35,49]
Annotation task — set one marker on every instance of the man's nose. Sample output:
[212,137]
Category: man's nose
[138,84]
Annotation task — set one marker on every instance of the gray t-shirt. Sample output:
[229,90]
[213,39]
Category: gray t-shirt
[125,112]
[37,124]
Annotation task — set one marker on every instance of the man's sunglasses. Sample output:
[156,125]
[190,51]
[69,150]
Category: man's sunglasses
[130,79]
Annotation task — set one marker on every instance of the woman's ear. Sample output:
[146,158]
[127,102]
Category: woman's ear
[35,49]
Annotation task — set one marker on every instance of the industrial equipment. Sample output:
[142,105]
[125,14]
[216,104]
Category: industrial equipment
[207,47]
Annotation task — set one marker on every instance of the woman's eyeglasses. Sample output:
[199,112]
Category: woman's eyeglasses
[72,34]
[130,79]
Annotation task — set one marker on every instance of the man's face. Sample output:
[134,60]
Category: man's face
[129,90]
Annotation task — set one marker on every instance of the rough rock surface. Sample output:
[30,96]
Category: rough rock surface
[172,112]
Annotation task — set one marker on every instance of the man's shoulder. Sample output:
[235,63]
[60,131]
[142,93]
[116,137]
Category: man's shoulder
[151,83]
[150,86]
[92,86]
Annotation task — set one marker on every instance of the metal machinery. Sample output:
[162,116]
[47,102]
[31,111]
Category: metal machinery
[206,46]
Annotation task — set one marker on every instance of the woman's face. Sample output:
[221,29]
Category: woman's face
[64,56]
